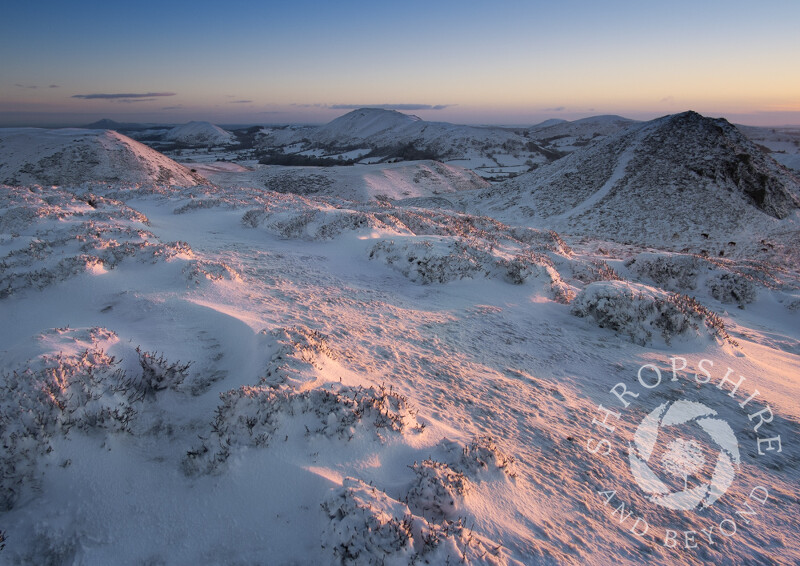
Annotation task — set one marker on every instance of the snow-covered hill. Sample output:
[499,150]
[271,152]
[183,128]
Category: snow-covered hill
[568,136]
[362,125]
[203,134]
[669,182]
[378,128]
[72,156]
[492,152]
[240,374]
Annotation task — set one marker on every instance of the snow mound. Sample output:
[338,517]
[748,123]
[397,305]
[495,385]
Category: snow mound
[367,527]
[437,490]
[301,353]
[202,134]
[293,217]
[440,486]
[645,314]
[198,271]
[72,156]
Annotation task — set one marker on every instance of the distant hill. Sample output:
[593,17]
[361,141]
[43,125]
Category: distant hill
[383,135]
[71,156]
[108,124]
[364,124]
[782,143]
[675,179]
[546,124]
[568,136]
[202,134]
[378,128]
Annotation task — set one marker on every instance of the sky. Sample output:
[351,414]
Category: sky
[502,62]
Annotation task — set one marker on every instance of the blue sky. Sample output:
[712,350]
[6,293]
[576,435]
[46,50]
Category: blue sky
[508,62]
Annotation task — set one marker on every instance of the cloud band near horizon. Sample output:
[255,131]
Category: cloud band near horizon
[122,96]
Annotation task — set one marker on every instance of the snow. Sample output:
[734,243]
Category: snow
[233,374]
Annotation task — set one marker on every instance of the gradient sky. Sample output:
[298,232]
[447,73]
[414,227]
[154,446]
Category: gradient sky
[509,62]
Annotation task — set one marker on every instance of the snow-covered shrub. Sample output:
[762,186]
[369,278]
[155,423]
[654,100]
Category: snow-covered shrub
[436,490]
[81,389]
[732,288]
[55,234]
[442,260]
[452,542]
[641,312]
[673,272]
[158,374]
[301,351]
[252,416]
[197,271]
[200,204]
[367,527]
[432,261]
[50,547]
[254,217]
[595,270]
[54,255]
[483,455]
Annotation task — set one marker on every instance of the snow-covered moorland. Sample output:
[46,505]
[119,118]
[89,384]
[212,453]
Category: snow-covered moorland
[245,374]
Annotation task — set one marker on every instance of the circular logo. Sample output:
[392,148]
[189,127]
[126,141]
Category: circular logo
[684,457]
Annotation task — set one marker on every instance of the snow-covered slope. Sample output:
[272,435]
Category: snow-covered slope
[73,156]
[203,134]
[666,183]
[362,183]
